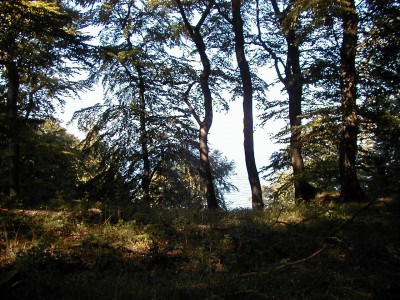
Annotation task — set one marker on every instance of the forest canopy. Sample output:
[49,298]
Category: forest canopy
[165,68]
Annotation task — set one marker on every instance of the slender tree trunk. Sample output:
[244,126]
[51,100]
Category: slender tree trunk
[13,129]
[254,180]
[205,124]
[146,176]
[293,82]
[209,190]
[350,186]
[294,87]
[144,140]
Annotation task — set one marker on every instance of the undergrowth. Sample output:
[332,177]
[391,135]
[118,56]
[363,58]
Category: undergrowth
[311,251]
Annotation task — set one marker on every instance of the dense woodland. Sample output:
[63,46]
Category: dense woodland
[138,204]
[166,66]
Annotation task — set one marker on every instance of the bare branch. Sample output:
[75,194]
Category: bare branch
[191,109]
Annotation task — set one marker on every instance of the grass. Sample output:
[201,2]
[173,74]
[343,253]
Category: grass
[311,251]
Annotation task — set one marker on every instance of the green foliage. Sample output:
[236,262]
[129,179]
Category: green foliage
[39,40]
[377,61]
[49,157]
[49,165]
[379,65]
[41,37]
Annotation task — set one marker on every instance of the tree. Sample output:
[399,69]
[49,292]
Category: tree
[37,38]
[123,120]
[205,124]
[143,124]
[378,69]
[49,160]
[237,24]
[350,186]
[13,128]
[289,22]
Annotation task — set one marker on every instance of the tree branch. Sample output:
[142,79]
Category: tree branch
[223,14]
[204,15]
[191,109]
[188,26]
[263,44]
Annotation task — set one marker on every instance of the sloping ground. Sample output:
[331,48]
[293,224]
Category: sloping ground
[308,252]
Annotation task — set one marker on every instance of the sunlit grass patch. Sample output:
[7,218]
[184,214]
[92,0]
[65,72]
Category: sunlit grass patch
[311,251]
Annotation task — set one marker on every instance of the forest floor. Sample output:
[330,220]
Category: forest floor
[311,251]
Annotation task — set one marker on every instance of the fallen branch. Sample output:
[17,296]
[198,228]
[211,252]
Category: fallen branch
[276,219]
[329,240]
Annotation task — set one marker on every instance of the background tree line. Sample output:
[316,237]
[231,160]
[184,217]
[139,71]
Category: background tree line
[165,66]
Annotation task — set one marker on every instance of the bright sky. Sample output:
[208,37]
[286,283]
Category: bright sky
[227,135]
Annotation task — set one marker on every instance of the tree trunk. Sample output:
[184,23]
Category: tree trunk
[144,141]
[254,180]
[13,129]
[294,87]
[146,177]
[205,125]
[293,82]
[209,190]
[350,186]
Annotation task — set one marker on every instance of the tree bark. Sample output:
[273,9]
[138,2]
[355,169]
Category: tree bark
[254,180]
[350,186]
[144,141]
[294,87]
[13,129]
[205,124]
[146,176]
[293,82]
